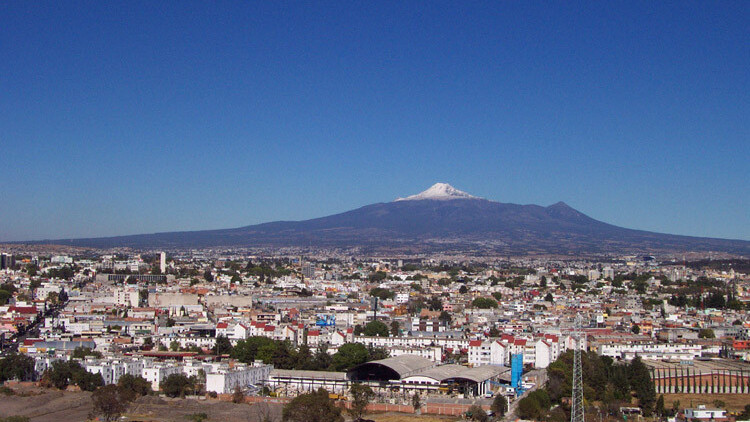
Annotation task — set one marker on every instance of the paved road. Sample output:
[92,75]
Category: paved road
[11,345]
[541,377]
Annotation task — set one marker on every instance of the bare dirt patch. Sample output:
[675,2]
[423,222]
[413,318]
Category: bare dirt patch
[157,409]
[42,405]
[47,405]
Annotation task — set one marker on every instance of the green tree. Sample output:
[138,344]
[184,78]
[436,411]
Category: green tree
[303,359]
[87,381]
[109,403]
[445,318]
[322,360]
[349,355]
[198,417]
[61,374]
[238,396]
[549,298]
[640,380]
[416,403]
[529,408]
[382,293]
[476,413]
[17,366]
[635,329]
[84,352]
[395,328]
[745,415]
[176,385]
[706,333]
[376,353]
[361,397]
[376,328]
[283,356]
[247,350]
[312,407]
[223,346]
[377,276]
[660,410]
[499,405]
[132,387]
[484,303]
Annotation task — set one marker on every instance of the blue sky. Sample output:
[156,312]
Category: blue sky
[125,117]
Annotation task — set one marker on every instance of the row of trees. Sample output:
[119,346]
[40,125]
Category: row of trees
[282,355]
[61,374]
[606,382]
[17,367]
[715,300]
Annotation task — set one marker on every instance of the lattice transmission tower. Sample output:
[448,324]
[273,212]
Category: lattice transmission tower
[576,410]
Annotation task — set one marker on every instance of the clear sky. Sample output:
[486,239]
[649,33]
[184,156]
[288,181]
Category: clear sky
[126,117]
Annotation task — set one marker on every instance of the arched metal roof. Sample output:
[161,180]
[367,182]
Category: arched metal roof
[479,373]
[391,368]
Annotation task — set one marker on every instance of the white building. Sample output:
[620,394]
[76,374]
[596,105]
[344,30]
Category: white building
[225,380]
[433,353]
[127,296]
[158,372]
[651,351]
[162,262]
[46,288]
[402,298]
[704,413]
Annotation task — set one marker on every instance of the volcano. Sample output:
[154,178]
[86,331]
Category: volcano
[441,218]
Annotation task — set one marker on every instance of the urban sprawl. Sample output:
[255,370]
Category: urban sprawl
[441,333]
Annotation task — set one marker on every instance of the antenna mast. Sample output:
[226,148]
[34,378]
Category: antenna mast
[576,411]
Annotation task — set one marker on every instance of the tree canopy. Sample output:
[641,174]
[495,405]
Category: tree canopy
[484,303]
[362,395]
[312,407]
[177,385]
[109,402]
[376,328]
[61,374]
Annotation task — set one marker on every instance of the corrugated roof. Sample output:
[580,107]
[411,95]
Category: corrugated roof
[403,365]
[317,375]
[447,372]
[481,373]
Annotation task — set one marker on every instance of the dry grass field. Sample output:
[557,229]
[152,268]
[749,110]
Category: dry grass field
[396,417]
[734,402]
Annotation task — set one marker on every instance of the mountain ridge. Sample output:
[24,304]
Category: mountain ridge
[441,218]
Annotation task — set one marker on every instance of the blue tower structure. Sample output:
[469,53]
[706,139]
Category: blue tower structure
[516,373]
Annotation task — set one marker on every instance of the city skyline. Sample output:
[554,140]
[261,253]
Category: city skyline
[157,117]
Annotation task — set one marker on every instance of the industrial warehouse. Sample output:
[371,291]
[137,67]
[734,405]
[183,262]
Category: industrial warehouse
[397,374]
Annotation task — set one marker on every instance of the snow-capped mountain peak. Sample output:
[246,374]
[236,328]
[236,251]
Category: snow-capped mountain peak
[439,191]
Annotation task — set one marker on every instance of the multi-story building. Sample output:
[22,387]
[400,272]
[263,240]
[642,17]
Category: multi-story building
[224,380]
